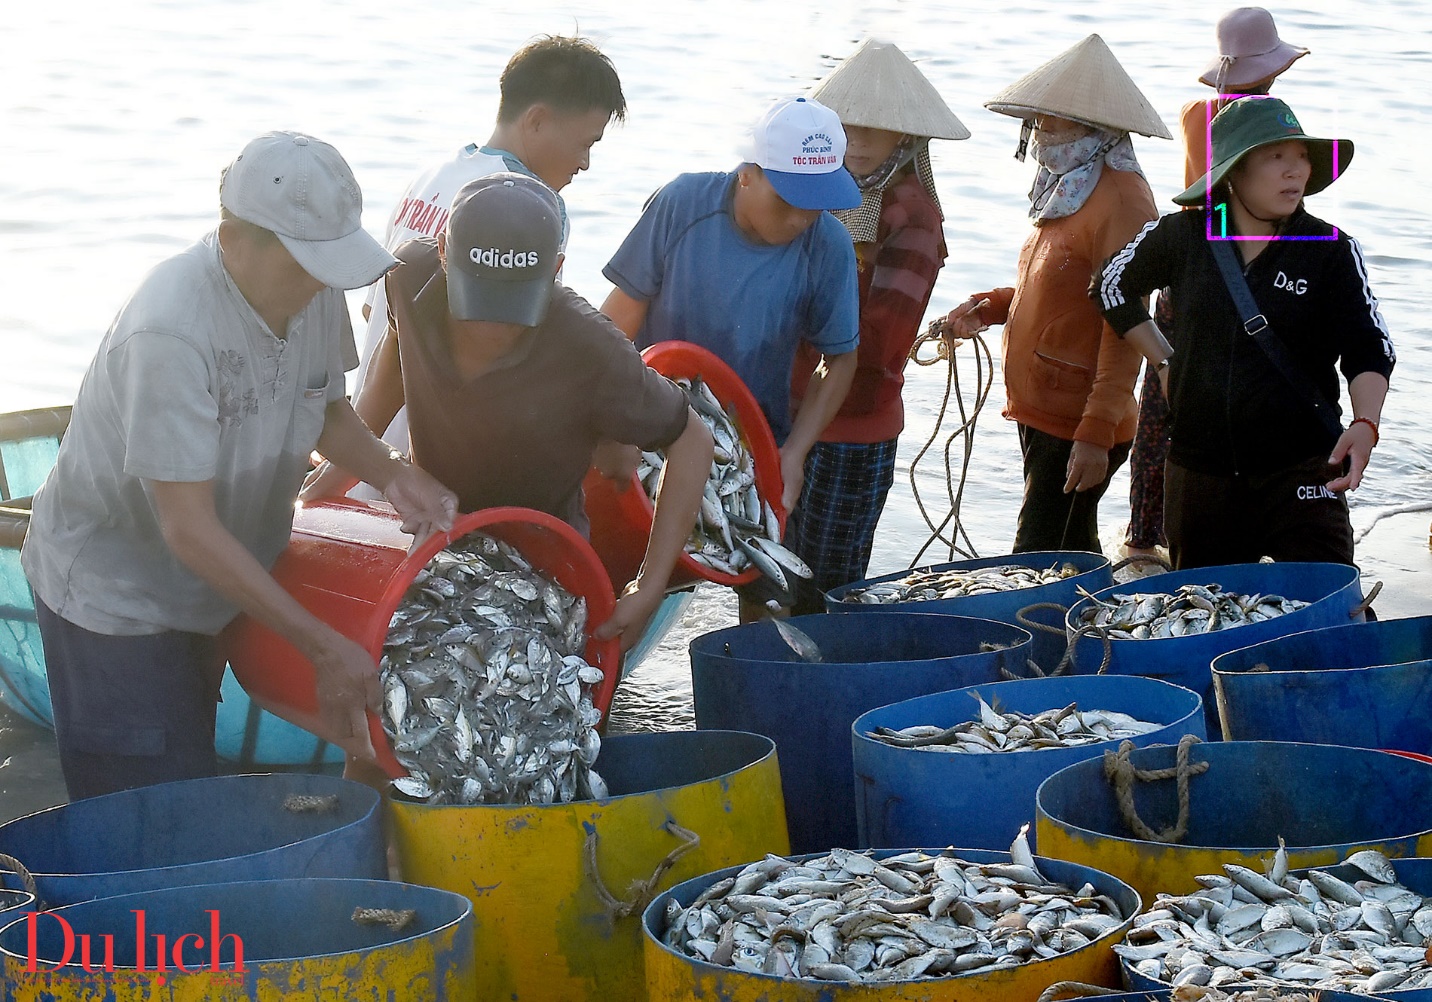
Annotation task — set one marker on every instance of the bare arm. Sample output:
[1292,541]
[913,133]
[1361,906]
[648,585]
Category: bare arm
[1367,390]
[425,505]
[347,679]
[678,499]
[1151,343]
[627,313]
[828,387]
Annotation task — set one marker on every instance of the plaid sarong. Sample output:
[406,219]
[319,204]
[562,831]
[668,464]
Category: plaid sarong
[833,527]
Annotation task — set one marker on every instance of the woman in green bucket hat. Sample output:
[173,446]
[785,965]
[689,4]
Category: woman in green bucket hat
[1271,302]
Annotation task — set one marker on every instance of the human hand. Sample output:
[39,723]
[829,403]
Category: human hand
[1354,444]
[425,505]
[326,481]
[616,461]
[1088,465]
[965,320]
[792,477]
[347,686]
[633,611]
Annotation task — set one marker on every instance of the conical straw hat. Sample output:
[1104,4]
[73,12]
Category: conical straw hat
[880,88]
[1086,84]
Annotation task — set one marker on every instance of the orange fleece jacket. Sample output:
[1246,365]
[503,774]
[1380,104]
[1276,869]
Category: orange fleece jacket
[1066,372]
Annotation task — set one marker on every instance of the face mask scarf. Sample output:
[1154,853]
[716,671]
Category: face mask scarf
[1068,171]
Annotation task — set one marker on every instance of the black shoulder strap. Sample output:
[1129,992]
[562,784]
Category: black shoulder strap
[1256,326]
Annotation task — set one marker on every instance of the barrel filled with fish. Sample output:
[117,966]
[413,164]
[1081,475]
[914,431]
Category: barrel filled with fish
[961,768]
[558,889]
[804,693]
[1323,801]
[1365,684]
[949,925]
[1239,601]
[1363,926]
[487,698]
[997,588]
[1205,994]
[349,564]
[301,940]
[738,531]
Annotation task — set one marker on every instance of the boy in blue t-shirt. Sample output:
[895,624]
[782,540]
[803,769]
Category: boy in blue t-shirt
[748,264]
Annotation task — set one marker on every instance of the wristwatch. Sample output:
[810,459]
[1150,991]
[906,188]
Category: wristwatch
[1162,365]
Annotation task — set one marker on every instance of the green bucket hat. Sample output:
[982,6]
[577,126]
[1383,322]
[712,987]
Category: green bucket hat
[1256,121]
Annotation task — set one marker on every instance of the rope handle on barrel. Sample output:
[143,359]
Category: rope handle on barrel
[1066,663]
[396,919]
[1061,990]
[641,892]
[1366,603]
[26,877]
[1141,558]
[1120,772]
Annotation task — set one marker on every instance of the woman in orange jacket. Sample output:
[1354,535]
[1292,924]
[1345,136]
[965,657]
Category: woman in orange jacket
[1069,380]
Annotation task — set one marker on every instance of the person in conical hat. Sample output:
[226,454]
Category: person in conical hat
[890,112]
[1259,461]
[1250,57]
[1069,380]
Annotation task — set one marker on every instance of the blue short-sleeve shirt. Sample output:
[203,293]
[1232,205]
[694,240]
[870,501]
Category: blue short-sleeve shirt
[749,303]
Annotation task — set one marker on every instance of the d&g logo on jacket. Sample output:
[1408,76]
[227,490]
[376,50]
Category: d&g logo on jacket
[1297,286]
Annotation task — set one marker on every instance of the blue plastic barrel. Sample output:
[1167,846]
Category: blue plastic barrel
[200,831]
[676,977]
[1002,607]
[748,679]
[1333,591]
[910,796]
[266,939]
[1325,801]
[1366,684]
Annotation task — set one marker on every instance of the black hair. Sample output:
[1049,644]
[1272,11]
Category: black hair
[570,74]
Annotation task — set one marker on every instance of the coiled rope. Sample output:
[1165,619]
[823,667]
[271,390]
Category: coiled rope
[950,530]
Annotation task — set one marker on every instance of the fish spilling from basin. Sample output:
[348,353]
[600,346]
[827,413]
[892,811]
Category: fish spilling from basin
[1360,931]
[736,528]
[850,917]
[1189,610]
[487,698]
[930,585]
[998,730]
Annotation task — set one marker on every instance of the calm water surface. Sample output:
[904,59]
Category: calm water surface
[117,121]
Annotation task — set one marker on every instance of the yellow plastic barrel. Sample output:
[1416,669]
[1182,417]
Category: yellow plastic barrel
[302,940]
[1323,801]
[674,977]
[557,890]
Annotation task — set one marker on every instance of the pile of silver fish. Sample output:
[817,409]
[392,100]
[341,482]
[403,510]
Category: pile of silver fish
[1012,731]
[849,917]
[1317,930]
[929,585]
[487,698]
[1191,609]
[1199,993]
[736,527]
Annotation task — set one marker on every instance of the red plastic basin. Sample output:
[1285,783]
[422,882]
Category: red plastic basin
[348,563]
[621,517]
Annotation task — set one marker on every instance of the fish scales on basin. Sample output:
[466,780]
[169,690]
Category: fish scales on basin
[736,528]
[1350,928]
[487,698]
[1191,609]
[998,730]
[931,585]
[850,917]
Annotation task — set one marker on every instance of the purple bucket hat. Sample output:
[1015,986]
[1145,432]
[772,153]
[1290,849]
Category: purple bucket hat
[1249,50]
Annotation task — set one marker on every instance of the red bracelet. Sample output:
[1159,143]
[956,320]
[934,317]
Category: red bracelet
[1371,424]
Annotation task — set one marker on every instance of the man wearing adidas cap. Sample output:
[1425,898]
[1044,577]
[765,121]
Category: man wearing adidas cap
[749,264]
[174,487]
[511,380]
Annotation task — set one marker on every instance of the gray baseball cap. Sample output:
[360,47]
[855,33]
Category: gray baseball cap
[504,235]
[302,189]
